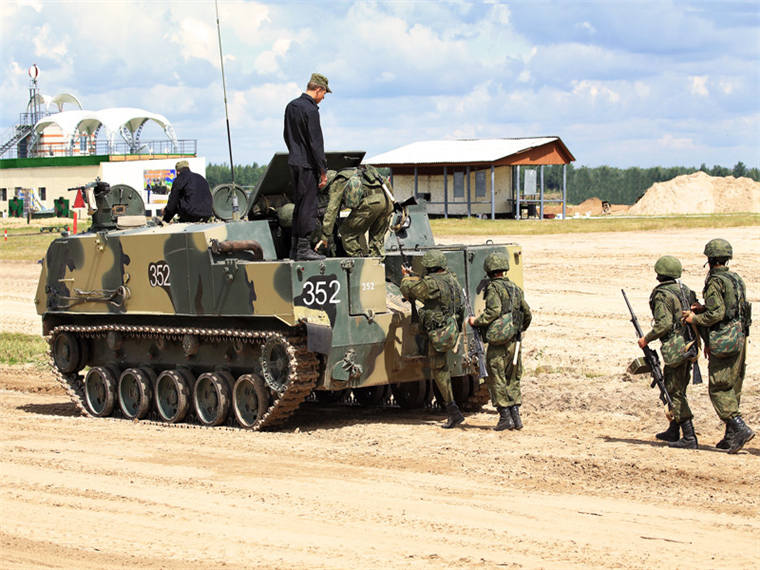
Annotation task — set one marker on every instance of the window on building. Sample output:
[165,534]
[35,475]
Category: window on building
[3,194]
[480,184]
[459,185]
[43,193]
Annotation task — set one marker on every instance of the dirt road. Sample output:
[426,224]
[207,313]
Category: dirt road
[584,485]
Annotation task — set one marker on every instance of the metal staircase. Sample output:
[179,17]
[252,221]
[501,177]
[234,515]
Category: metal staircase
[14,135]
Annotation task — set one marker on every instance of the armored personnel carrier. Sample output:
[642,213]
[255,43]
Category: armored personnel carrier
[210,323]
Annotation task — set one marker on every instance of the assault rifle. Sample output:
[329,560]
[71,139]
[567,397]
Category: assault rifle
[479,350]
[407,264]
[692,339]
[653,361]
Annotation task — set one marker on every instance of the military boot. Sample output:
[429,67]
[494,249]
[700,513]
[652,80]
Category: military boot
[673,433]
[514,411]
[305,253]
[505,420]
[725,443]
[741,434]
[455,416]
[689,439]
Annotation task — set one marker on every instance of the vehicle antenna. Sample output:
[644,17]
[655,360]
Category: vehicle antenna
[235,209]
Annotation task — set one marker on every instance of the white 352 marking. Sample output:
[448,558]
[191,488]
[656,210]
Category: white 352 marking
[158,274]
[317,293]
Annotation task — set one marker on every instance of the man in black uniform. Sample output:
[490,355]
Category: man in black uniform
[190,197]
[308,164]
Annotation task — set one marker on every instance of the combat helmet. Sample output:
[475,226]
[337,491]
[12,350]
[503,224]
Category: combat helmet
[719,248]
[668,266]
[495,262]
[433,259]
[285,215]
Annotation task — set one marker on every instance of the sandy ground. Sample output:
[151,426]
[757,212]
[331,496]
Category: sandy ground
[584,485]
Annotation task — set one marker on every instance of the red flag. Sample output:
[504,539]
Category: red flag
[79,202]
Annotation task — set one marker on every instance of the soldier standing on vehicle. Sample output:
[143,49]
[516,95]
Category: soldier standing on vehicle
[726,317]
[506,316]
[667,309]
[440,318]
[307,161]
[190,197]
[360,190]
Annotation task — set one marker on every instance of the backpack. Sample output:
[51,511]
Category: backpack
[726,338]
[673,344]
[506,327]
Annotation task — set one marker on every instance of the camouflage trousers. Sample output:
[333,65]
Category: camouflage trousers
[372,215]
[726,381]
[676,382]
[439,370]
[504,377]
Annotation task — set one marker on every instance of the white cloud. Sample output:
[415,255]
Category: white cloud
[197,39]
[594,90]
[664,82]
[46,44]
[267,62]
[699,85]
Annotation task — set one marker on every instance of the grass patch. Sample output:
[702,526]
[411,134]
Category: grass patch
[477,227]
[25,241]
[17,348]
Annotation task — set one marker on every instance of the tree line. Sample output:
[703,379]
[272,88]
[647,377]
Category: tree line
[626,185]
[616,185]
[246,176]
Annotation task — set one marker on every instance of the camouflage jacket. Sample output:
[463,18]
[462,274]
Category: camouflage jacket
[666,306]
[344,181]
[721,301]
[440,294]
[501,296]
[350,186]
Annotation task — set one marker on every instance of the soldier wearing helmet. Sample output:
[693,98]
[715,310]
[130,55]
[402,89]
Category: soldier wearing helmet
[665,303]
[505,303]
[440,319]
[725,319]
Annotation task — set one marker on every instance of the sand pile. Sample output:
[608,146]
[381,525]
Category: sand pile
[700,193]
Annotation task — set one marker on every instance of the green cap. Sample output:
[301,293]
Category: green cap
[182,164]
[320,80]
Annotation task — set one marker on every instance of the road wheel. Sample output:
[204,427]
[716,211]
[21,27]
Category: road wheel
[250,400]
[410,395]
[371,395]
[172,395]
[100,390]
[67,353]
[211,397]
[135,393]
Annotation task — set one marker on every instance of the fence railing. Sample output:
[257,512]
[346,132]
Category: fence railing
[86,147]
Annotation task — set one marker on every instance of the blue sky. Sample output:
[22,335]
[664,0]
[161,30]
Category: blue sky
[622,83]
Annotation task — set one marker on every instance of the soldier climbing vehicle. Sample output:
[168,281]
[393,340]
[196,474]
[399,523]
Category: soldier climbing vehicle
[212,324]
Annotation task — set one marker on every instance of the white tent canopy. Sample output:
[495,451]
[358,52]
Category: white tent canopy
[57,100]
[125,121]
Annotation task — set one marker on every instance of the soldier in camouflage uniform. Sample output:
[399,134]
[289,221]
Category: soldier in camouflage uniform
[503,297]
[725,301]
[360,190]
[441,294]
[665,302]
